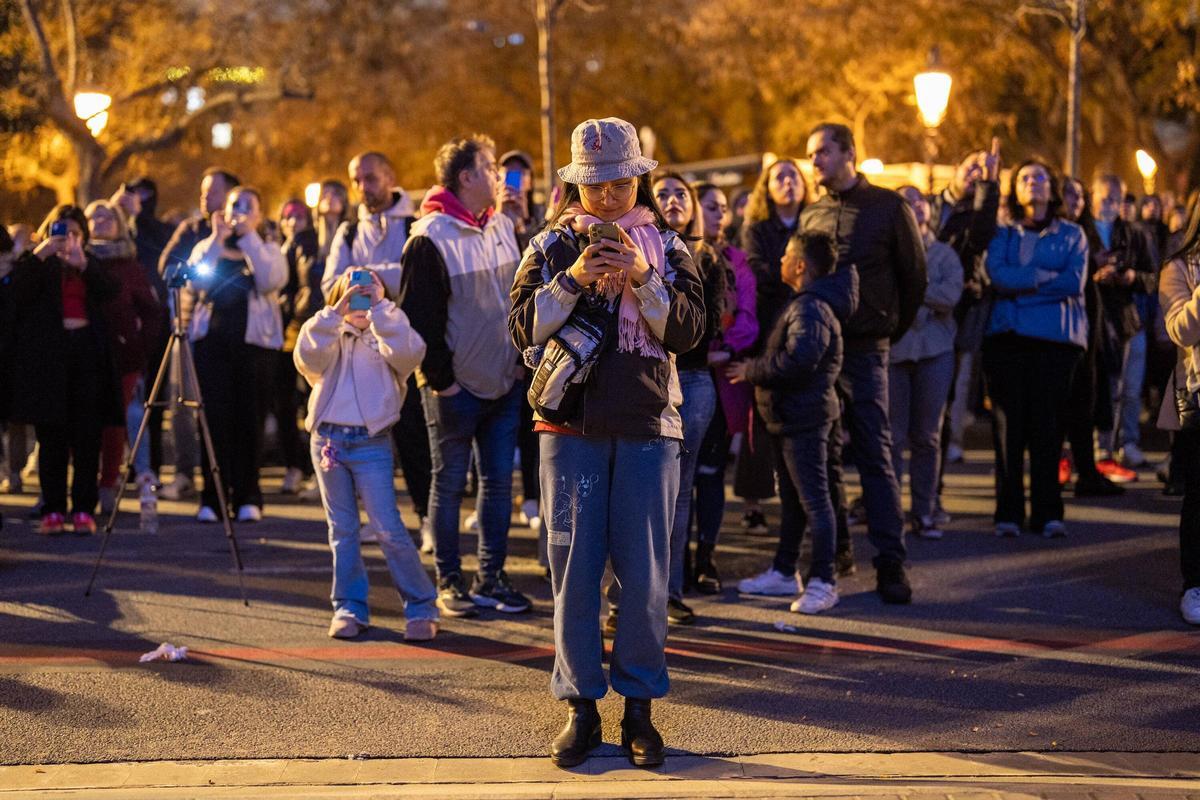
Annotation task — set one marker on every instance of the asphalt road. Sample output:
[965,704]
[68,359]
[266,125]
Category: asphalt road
[1023,644]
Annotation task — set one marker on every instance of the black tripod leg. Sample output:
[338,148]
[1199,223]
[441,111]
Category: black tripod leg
[191,380]
[147,405]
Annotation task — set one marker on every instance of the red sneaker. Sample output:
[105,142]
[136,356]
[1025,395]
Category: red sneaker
[1064,471]
[52,524]
[1115,472]
[83,524]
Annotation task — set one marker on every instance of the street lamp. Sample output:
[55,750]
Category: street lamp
[92,108]
[933,96]
[1148,167]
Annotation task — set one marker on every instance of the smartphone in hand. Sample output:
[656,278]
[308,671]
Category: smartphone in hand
[360,302]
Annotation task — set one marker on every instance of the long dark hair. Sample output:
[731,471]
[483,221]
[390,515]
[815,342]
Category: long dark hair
[1016,212]
[61,212]
[1190,241]
[691,232]
[760,206]
[645,197]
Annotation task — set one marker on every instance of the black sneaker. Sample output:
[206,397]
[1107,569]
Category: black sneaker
[499,594]
[755,522]
[892,584]
[1097,486]
[843,564]
[678,613]
[453,599]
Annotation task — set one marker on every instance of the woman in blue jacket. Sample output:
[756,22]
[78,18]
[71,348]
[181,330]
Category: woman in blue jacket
[1037,334]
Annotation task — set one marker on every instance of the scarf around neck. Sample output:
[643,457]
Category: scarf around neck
[105,249]
[633,334]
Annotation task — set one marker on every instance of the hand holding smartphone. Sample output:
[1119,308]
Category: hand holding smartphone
[360,302]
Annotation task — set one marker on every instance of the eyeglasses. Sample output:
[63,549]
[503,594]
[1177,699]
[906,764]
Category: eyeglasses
[617,191]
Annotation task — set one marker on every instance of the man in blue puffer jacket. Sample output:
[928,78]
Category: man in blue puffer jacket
[794,390]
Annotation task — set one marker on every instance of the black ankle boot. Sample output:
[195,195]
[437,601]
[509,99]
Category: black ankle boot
[581,735]
[639,736]
[707,579]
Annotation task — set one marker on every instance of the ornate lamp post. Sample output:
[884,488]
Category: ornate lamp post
[933,96]
[1148,167]
[92,108]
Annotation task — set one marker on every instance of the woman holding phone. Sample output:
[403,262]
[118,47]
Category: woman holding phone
[61,360]
[610,464]
[235,322]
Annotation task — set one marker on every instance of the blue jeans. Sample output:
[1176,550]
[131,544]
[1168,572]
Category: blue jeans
[363,468]
[802,460]
[457,425]
[917,391]
[1127,392]
[133,420]
[609,498]
[863,385]
[699,403]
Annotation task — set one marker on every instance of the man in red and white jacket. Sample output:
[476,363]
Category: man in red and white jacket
[457,270]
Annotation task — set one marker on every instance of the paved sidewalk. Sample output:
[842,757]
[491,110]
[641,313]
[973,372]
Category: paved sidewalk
[1070,776]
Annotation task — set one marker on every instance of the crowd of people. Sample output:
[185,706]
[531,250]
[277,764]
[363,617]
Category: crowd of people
[624,344]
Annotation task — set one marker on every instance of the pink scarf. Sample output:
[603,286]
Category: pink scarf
[633,334]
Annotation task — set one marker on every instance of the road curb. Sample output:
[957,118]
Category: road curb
[926,775]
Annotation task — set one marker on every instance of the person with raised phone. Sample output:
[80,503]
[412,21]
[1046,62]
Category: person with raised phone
[357,354]
[794,390]
[235,323]
[604,300]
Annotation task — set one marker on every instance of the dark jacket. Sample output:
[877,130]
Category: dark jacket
[627,394]
[712,267]
[1132,250]
[38,363]
[764,243]
[151,235]
[793,378]
[134,318]
[179,249]
[875,231]
[967,225]
[302,296]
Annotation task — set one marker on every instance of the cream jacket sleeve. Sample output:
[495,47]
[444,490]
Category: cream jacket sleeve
[1181,305]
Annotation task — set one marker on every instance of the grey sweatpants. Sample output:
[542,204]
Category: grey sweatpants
[609,498]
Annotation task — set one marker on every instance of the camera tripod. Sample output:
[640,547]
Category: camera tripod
[180,348]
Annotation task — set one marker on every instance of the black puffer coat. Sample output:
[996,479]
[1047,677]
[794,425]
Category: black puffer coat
[793,378]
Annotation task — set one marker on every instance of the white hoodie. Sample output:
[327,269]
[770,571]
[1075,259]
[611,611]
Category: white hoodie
[378,360]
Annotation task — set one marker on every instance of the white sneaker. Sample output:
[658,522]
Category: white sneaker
[473,522]
[954,454]
[1008,530]
[771,583]
[249,513]
[179,486]
[927,528]
[311,490]
[207,514]
[427,540]
[818,596]
[1132,456]
[1054,529]
[530,512]
[291,481]
[1189,605]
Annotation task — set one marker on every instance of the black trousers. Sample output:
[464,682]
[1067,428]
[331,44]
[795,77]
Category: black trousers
[284,404]
[230,373]
[411,438]
[527,443]
[77,436]
[1187,451]
[1080,416]
[1029,382]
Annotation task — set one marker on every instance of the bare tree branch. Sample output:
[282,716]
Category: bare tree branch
[69,20]
[57,107]
[171,135]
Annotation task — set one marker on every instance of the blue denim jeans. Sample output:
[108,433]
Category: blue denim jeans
[1127,392]
[457,425]
[362,468]
[804,500]
[917,391]
[863,385]
[609,499]
[699,403]
[133,420]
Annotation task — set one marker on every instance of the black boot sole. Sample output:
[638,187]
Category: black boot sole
[575,759]
[644,760]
